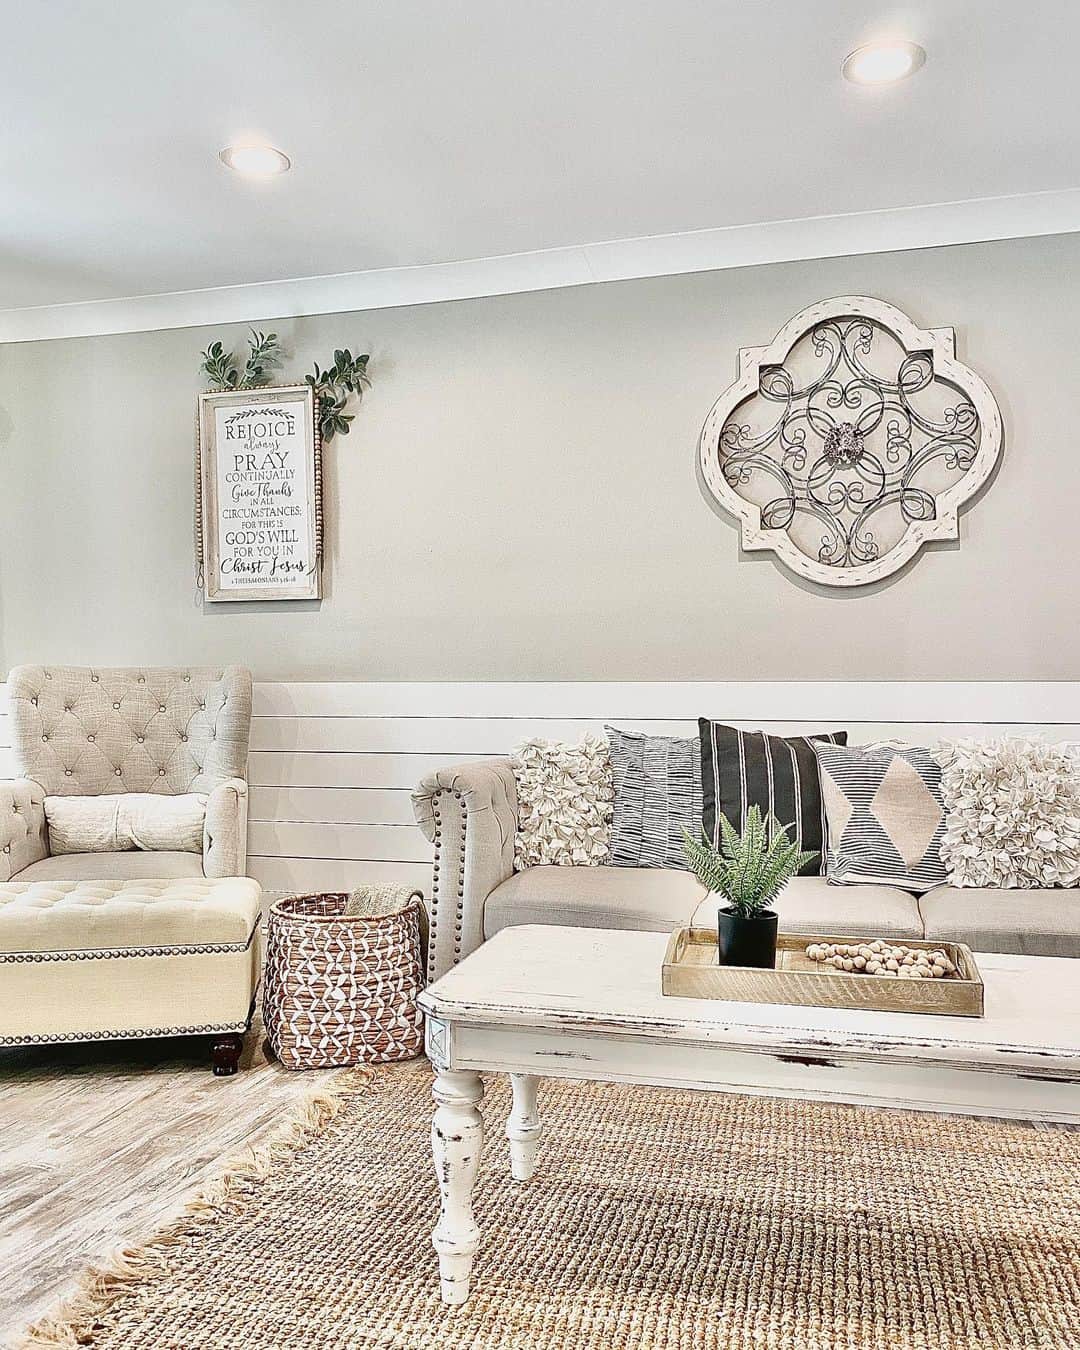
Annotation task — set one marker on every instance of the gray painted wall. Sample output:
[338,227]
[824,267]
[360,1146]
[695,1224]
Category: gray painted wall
[518,500]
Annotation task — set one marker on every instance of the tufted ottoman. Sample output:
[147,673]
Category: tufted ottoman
[98,960]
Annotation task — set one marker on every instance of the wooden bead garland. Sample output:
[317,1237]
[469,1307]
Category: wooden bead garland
[891,960]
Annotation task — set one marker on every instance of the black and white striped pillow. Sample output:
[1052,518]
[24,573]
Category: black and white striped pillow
[777,773]
[657,782]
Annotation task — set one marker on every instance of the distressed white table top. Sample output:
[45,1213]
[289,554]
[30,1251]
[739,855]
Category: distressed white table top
[600,980]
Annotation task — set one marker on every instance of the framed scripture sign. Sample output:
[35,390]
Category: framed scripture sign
[258,519]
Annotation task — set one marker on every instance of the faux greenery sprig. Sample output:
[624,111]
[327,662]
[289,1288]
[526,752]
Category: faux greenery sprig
[345,379]
[221,369]
[748,870]
[263,357]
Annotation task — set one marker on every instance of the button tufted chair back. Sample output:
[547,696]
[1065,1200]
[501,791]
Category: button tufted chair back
[80,731]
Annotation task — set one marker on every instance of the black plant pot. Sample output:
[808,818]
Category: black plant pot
[746,942]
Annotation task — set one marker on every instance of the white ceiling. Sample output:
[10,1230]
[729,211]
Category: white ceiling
[424,132]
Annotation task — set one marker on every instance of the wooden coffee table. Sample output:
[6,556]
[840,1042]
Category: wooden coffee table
[586,1003]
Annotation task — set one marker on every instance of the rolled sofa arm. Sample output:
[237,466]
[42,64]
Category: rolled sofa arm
[24,835]
[225,831]
[469,812]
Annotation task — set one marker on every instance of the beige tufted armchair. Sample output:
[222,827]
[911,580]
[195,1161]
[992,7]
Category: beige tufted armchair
[80,731]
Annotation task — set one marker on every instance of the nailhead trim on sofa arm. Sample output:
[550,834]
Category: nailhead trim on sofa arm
[469,813]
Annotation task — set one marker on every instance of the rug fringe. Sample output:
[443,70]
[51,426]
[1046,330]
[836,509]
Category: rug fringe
[83,1313]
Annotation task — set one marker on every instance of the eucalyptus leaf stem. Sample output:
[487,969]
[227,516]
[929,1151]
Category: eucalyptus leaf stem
[346,378]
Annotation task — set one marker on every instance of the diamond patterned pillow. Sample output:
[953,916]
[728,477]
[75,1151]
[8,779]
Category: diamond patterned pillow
[885,815]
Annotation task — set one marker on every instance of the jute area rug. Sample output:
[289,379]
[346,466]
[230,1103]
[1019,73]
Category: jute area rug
[656,1219]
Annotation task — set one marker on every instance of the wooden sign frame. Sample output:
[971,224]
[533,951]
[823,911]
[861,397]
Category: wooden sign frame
[258,511]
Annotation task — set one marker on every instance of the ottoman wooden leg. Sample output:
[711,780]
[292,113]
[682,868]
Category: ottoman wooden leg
[225,1053]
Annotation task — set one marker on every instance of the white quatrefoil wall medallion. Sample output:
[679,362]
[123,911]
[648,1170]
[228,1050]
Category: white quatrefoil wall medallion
[850,441]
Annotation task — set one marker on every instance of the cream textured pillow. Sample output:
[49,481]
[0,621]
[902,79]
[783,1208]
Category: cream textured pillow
[564,803]
[131,820]
[1012,813]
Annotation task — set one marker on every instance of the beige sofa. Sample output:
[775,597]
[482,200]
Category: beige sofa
[469,812]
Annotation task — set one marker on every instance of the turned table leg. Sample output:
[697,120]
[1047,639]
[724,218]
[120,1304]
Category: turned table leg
[457,1136]
[523,1129]
[225,1053]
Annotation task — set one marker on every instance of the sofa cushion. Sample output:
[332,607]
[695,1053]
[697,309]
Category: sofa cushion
[1013,808]
[112,866]
[1020,923]
[811,905]
[649,899]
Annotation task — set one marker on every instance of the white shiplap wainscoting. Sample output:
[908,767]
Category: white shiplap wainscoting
[332,764]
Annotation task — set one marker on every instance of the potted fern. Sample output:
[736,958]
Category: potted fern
[748,871]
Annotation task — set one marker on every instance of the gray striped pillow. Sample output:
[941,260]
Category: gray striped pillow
[657,783]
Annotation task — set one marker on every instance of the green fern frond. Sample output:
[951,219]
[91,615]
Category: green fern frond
[729,837]
[748,870]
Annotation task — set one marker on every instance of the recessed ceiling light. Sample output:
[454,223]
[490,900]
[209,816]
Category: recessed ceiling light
[883,62]
[255,161]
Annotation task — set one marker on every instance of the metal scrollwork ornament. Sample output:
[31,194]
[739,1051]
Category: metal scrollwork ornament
[850,441]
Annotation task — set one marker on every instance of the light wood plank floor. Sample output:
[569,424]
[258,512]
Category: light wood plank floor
[101,1144]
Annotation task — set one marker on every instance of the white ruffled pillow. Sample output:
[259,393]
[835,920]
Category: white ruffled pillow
[1012,813]
[564,803]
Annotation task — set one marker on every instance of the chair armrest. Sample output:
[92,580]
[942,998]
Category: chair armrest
[469,812]
[24,835]
[225,831]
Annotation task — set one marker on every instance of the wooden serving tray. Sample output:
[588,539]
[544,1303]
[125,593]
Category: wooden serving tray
[691,970]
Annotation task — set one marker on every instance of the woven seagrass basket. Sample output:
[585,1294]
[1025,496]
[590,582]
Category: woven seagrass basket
[340,990]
